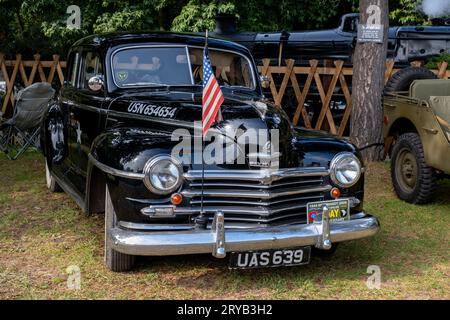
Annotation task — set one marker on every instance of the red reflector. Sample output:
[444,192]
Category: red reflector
[335,193]
[176,198]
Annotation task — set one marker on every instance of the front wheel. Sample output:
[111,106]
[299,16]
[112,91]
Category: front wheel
[414,181]
[114,260]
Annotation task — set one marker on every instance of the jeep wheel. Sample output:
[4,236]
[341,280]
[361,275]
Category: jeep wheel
[114,260]
[413,180]
[402,79]
[52,185]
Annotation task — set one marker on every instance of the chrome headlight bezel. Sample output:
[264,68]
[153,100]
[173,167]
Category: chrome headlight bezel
[150,165]
[336,161]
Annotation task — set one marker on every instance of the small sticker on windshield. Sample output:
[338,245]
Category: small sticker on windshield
[122,75]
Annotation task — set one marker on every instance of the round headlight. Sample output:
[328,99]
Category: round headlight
[163,174]
[345,169]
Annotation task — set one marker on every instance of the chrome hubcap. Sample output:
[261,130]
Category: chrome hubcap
[406,170]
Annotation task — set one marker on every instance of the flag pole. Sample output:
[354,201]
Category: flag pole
[201,221]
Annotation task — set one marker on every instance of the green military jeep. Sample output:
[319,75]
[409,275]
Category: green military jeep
[417,132]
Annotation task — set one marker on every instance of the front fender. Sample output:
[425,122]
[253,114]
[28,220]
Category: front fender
[128,148]
[122,153]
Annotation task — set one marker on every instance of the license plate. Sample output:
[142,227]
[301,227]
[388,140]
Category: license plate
[270,258]
[339,210]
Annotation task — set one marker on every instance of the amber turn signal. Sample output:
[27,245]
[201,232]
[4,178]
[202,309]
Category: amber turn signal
[176,198]
[335,193]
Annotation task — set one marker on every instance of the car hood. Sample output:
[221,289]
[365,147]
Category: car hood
[167,112]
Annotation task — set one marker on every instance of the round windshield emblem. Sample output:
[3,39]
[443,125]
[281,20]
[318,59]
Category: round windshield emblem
[122,75]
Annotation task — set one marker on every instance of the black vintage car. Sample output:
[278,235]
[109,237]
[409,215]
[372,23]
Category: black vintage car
[108,141]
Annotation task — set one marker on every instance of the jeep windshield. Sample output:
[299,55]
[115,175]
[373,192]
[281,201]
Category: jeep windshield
[178,66]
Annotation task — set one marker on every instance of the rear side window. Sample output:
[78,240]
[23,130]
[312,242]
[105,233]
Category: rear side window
[92,66]
[73,69]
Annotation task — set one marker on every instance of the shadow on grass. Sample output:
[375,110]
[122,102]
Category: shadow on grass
[442,195]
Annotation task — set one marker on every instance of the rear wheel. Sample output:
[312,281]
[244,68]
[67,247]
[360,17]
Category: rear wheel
[114,260]
[52,185]
[413,180]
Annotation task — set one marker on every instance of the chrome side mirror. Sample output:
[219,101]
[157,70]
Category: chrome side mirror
[96,83]
[265,81]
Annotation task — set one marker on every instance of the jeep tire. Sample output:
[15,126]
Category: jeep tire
[401,80]
[114,260]
[413,180]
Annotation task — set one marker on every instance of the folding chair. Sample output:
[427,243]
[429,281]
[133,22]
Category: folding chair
[21,131]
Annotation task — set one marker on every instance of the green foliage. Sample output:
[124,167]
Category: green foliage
[39,26]
[433,63]
[264,15]
[130,18]
[199,15]
[407,12]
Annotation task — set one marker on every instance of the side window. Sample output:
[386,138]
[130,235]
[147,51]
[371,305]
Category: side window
[92,66]
[73,71]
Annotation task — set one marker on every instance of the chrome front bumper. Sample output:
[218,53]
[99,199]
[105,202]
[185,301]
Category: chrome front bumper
[219,240]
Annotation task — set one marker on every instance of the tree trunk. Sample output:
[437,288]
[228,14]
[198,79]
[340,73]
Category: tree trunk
[369,63]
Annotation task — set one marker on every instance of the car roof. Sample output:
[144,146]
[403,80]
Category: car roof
[105,41]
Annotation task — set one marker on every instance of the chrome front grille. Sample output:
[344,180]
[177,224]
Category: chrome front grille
[252,198]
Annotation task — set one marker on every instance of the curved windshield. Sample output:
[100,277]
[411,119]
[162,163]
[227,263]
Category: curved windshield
[153,66]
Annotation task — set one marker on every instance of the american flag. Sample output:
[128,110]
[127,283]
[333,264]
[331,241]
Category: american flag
[212,95]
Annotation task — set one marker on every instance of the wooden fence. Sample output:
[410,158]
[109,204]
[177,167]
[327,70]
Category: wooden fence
[323,81]
[326,81]
[25,72]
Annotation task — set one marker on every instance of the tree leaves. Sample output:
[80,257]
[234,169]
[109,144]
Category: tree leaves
[30,26]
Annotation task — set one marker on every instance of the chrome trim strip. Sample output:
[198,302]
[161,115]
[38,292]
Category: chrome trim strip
[261,212]
[257,203]
[115,172]
[203,241]
[254,186]
[243,210]
[266,176]
[190,65]
[150,201]
[83,106]
[251,194]
[154,227]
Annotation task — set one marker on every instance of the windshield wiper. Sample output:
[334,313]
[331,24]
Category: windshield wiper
[191,87]
[140,84]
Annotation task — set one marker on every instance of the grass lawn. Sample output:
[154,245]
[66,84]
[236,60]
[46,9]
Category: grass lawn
[41,234]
